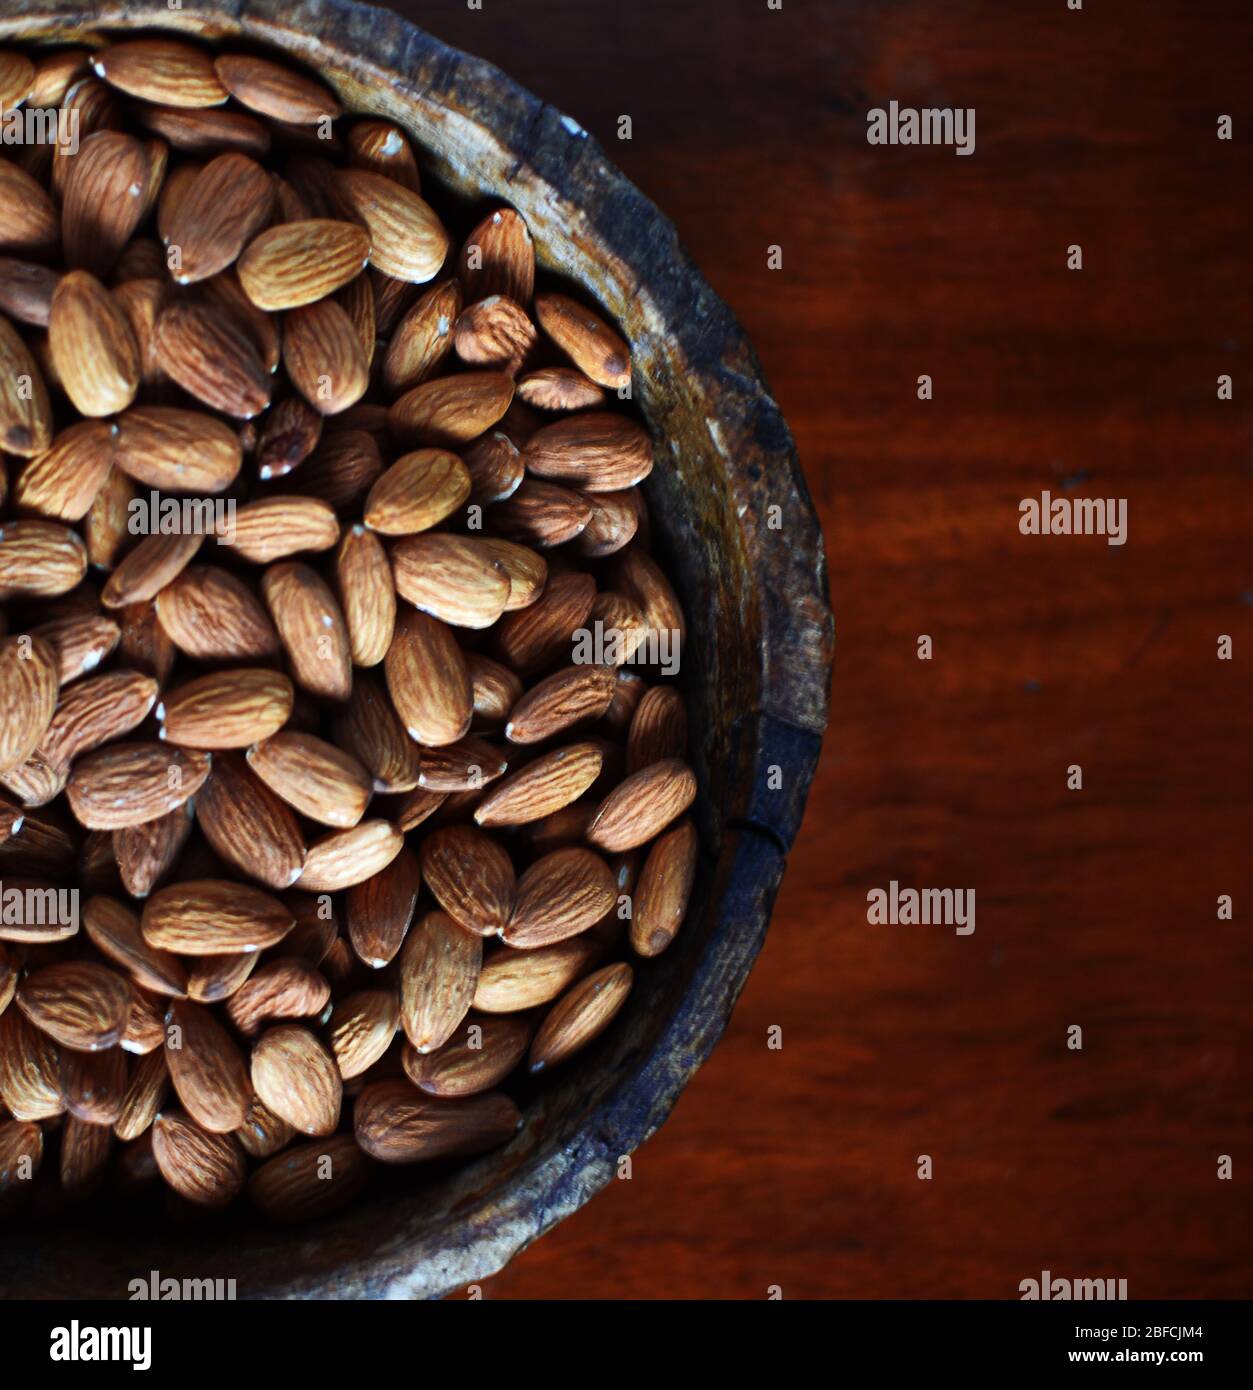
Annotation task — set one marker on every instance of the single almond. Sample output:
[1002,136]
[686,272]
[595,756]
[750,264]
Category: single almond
[95,712]
[422,338]
[361,1029]
[571,696]
[318,779]
[451,410]
[94,1084]
[496,691]
[559,896]
[467,765]
[478,1056]
[542,514]
[418,491]
[311,1180]
[284,988]
[147,852]
[381,909]
[226,709]
[177,450]
[595,451]
[211,615]
[161,70]
[457,579]
[586,339]
[26,290]
[296,1077]
[204,1168]
[79,642]
[582,1015]
[146,1090]
[273,528]
[263,1133]
[28,217]
[129,783]
[643,805]
[289,434]
[499,258]
[427,677]
[201,348]
[106,197]
[347,857]
[559,388]
[25,410]
[312,628]
[512,981]
[494,463]
[30,1069]
[274,90]
[407,239]
[323,356]
[367,595]
[213,917]
[612,525]
[28,696]
[205,132]
[438,970]
[396,1123]
[221,207]
[665,885]
[384,149]
[552,781]
[297,263]
[62,483]
[494,332]
[78,1003]
[155,562]
[471,877]
[538,636]
[370,730]
[248,826]
[93,349]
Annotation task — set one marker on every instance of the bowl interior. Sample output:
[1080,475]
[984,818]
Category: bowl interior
[754,673]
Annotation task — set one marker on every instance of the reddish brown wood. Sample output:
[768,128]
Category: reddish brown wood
[1095,907]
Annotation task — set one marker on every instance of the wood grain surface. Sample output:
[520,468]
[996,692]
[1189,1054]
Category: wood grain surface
[1096,907]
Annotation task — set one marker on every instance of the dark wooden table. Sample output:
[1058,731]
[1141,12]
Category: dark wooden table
[1095,907]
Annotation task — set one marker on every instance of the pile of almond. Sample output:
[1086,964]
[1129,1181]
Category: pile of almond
[318,823]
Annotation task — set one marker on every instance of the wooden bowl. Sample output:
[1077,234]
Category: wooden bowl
[736,530]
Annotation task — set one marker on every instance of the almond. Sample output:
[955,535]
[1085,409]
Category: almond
[495,466]
[177,450]
[106,198]
[367,594]
[407,240]
[370,730]
[311,1180]
[296,1077]
[494,332]
[285,988]
[496,690]
[422,338]
[559,388]
[348,857]
[94,712]
[222,207]
[21,1154]
[201,348]
[312,629]
[596,451]
[129,783]
[155,562]
[28,218]
[542,514]
[323,356]
[26,290]
[498,258]
[25,411]
[559,896]
[161,70]
[612,525]
[78,1004]
[30,1069]
[206,132]
[438,969]
[227,709]
[658,728]
[361,1030]
[573,695]
[94,1084]
[212,917]
[274,90]
[273,528]
[665,885]
[546,785]
[471,877]
[318,779]
[289,435]
[204,1168]
[147,1088]
[427,677]
[416,492]
[248,825]
[451,410]
[582,1015]
[396,1123]
[297,263]
[211,615]
[146,853]
[28,696]
[539,635]
[512,981]
[62,483]
[262,1132]
[643,805]
[467,765]
[93,349]
[586,339]
[384,149]
[381,909]
[114,930]
[80,642]
[478,1056]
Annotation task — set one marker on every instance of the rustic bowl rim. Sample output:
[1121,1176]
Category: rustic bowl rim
[796,626]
